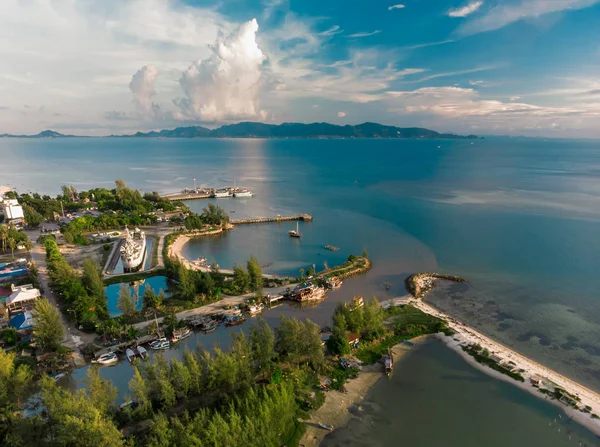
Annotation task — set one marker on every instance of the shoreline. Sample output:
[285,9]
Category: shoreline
[466,335]
[336,410]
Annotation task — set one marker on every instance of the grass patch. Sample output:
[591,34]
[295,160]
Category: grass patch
[485,360]
[293,440]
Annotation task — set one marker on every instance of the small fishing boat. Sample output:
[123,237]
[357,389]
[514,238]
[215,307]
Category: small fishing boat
[142,352]
[180,334]
[199,261]
[358,301]
[107,359]
[161,345]
[296,232]
[326,426]
[255,309]
[209,326]
[58,376]
[130,355]
[234,320]
[389,363]
[157,342]
[331,247]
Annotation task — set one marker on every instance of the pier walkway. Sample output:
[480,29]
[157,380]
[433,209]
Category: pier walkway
[279,218]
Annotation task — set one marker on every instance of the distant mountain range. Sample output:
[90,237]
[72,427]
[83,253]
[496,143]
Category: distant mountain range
[285,130]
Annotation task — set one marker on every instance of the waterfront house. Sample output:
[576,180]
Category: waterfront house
[22,297]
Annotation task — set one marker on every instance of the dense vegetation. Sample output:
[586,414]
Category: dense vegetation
[250,395]
[11,238]
[82,295]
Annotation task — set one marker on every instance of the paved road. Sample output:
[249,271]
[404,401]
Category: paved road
[73,337]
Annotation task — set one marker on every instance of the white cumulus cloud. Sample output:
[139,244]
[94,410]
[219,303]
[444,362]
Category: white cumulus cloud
[465,10]
[142,86]
[341,114]
[225,86]
[398,6]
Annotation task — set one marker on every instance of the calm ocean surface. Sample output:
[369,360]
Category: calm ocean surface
[519,218]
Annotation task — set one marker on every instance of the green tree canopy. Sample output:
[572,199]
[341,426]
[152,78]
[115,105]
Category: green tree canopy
[48,330]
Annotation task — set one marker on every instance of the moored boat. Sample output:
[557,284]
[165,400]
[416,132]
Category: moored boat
[209,326]
[255,309]
[130,355]
[142,352]
[157,342]
[234,320]
[389,363]
[109,358]
[161,345]
[296,232]
[133,250]
[222,193]
[242,193]
[180,334]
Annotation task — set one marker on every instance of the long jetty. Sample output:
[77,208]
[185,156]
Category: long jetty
[303,217]
[177,197]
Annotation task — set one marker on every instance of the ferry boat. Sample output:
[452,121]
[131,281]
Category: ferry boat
[133,250]
[222,193]
[242,193]
[130,355]
[180,334]
[296,232]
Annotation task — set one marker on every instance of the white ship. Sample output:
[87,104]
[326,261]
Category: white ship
[221,193]
[242,193]
[133,250]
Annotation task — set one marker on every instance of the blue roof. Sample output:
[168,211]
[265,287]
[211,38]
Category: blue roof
[22,321]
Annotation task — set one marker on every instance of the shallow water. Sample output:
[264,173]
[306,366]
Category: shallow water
[440,400]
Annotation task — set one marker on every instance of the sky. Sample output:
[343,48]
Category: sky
[503,67]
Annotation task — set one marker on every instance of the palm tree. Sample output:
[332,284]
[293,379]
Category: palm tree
[28,245]
[3,236]
[12,244]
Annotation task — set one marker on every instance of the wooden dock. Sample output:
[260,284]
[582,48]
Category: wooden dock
[303,217]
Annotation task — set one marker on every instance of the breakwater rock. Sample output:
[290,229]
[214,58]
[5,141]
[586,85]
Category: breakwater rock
[421,283]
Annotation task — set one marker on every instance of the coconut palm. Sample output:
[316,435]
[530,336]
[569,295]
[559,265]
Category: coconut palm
[3,236]
[12,244]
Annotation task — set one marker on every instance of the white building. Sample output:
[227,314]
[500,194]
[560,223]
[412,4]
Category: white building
[22,297]
[11,209]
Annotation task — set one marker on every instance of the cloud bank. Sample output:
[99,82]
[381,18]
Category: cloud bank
[142,86]
[225,86]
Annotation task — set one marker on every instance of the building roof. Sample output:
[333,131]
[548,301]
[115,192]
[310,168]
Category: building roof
[23,293]
[22,321]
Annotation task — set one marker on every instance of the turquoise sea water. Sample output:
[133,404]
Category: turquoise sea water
[517,217]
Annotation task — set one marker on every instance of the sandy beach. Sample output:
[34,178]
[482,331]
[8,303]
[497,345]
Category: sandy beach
[466,335]
[336,410]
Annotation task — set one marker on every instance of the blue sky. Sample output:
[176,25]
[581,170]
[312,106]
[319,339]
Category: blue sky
[515,67]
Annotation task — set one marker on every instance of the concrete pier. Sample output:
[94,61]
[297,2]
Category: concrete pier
[303,217]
